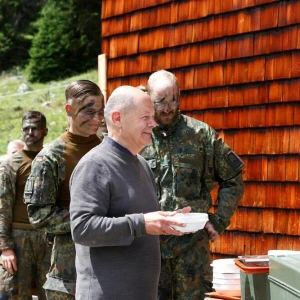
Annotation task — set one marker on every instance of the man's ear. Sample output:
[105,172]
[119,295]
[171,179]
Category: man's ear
[116,118]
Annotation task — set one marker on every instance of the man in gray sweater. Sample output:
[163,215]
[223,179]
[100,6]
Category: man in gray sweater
[114,219]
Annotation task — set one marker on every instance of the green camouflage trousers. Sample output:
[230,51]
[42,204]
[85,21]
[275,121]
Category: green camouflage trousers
[33,262]
[187,276]
[56,295]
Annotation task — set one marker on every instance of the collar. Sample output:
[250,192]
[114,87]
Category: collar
[167,130]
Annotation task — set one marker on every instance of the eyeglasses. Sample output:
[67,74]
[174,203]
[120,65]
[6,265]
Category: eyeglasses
[172,104]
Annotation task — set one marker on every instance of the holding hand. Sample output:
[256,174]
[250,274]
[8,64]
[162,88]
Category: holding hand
[160,223]
[9,260]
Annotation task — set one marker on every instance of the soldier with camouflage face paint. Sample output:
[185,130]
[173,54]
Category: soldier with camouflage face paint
[47,191]
[25,252]
[188,160]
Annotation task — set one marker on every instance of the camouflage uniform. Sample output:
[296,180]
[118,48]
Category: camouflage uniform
[30,246]
[42,195]
[188,160]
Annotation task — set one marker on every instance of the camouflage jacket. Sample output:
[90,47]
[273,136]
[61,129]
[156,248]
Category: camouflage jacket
[13,214]
[41,196]
[8,178]
[188,160]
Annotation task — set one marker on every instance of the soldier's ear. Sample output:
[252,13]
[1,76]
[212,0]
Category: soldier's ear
[68,109]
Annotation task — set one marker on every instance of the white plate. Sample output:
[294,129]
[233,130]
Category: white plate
[194,221]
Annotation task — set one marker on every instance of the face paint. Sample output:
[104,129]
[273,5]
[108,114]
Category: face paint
[87,116]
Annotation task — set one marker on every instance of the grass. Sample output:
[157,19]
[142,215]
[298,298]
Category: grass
[47,98]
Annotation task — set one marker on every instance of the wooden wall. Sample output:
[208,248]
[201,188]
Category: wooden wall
[238,64]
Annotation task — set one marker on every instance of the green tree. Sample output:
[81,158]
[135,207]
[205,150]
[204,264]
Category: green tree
[67,41]
[16,17]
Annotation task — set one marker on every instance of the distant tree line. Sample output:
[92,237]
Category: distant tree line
[52,38]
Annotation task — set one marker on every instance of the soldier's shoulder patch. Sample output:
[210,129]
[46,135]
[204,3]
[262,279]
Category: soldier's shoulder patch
[234,160]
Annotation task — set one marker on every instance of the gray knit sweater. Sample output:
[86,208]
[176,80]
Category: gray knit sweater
[115,258]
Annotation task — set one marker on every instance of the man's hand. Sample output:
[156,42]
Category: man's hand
[184,210]
[160,223]
[9,260]
[212,234]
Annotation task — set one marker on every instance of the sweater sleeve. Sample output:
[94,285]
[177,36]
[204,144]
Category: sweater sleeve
[91,190]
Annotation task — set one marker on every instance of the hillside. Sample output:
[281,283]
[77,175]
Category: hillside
[48,98]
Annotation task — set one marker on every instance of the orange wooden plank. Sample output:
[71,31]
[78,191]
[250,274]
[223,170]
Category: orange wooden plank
[284,116]
[275,92]
[292,12]
[219,50]
[116,68]
[261,43]
[198,9]
[215,75]
[290,90]
[135,21]
[282,66]
[214,7]
[269,16]
[180,57]
[292,168]
[194,54]
[201,77]
[109,8]
[250,95]
[296,119]
[161,60]
[183,11]
[295,65]
[240,71]
[255,118]
[255,19]
[290,38]
[219,98]
[204,99]
[294,141]
[232,118]
[211,119]
[284,195]
[188,82]
[226,6]
[228,72]
[163,15]
[276,40]
[149,17]
[244,22]
[276,169]
[206,53]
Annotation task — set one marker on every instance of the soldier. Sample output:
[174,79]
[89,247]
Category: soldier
[12,147]
[188,160]
[25,252]
[47,189]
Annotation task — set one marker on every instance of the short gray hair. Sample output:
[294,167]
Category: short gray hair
[161,75]
[122,99]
